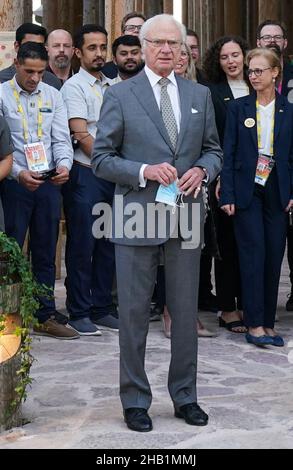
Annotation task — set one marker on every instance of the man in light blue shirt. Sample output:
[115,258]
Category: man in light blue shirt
[37,119]
[89,262]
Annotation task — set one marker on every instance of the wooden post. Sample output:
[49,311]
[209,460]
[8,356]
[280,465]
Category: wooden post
[168,7]
[94,12]
[269,10]
[27,11]
[115,10]
[234,19]
[12,14]
[64,14]
[10,359]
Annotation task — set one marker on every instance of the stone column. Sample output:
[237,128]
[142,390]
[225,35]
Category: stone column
[65,14]
[12,14]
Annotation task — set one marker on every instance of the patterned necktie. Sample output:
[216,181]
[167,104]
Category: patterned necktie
[168,113]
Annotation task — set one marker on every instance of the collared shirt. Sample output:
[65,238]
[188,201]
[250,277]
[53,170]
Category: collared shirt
[116,80]
[267,123]
[173,92]
[83,96]
[172,89]
[56,136]
[48,77]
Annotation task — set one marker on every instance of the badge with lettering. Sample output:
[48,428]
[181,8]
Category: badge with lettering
[36,157]
[249,123]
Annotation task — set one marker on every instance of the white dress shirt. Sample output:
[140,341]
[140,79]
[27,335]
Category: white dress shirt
[267,122]
[173,92]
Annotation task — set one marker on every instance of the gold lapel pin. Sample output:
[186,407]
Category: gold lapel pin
[249,123]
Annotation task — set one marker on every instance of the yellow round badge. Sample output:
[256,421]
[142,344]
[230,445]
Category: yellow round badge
[249,123]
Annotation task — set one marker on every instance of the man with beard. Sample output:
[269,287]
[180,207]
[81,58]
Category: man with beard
[29,32]
[60,50]
[127,56]
[273,35]
[89,262]
[130,26]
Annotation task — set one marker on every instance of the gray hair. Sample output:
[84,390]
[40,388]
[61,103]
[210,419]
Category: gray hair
[164,18]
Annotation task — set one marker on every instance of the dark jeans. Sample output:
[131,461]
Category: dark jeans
[39,212]
[90,262]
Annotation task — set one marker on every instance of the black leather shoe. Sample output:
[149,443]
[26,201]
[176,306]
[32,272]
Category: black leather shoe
[137,419]
[193,414]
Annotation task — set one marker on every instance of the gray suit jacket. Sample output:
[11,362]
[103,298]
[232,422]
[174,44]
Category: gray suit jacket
[131,132]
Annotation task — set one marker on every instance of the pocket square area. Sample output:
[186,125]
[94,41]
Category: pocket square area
[194,111]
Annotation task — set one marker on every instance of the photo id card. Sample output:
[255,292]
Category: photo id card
[264,168]
[36,157]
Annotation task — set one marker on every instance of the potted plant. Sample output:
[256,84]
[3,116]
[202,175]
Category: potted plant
[19,294]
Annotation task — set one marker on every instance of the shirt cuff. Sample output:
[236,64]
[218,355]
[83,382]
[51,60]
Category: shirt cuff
[207,176]
[142,180]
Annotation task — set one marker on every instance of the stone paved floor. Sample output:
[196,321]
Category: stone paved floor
[74,403]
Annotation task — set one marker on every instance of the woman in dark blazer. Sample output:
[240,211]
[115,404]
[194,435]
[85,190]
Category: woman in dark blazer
[224,67]
[257,190]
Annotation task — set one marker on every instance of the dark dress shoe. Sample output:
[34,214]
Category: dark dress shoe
[193,414]
[137,419]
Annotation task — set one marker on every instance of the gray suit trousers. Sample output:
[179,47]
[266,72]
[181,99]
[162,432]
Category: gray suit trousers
[136,275]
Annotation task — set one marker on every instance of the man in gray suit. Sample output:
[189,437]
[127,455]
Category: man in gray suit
[155,130]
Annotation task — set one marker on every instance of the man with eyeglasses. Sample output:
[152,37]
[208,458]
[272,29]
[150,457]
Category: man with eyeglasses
[273,35]
[131,25]
[157,133]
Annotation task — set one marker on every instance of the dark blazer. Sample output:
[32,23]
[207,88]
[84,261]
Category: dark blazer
[241,152]
[287,77]
[221,96]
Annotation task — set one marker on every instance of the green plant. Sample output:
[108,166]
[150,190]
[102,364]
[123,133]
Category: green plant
[17,270]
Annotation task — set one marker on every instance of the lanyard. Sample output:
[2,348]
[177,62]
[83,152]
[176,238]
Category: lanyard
[259,130]
[97,93]
[21,111]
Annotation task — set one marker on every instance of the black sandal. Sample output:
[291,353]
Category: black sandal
[231,325]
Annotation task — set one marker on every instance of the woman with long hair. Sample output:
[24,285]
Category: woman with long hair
[224,66]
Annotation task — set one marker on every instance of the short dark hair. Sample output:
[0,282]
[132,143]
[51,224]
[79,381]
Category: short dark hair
[190,32]
[87,29]
[30,28]
[32,50]
[126,40]
[129,16]
[271,23]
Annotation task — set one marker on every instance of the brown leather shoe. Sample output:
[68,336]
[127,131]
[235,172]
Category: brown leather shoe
[55,330]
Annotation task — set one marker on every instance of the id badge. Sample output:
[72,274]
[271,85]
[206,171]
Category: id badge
[264,168]
[36,157]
